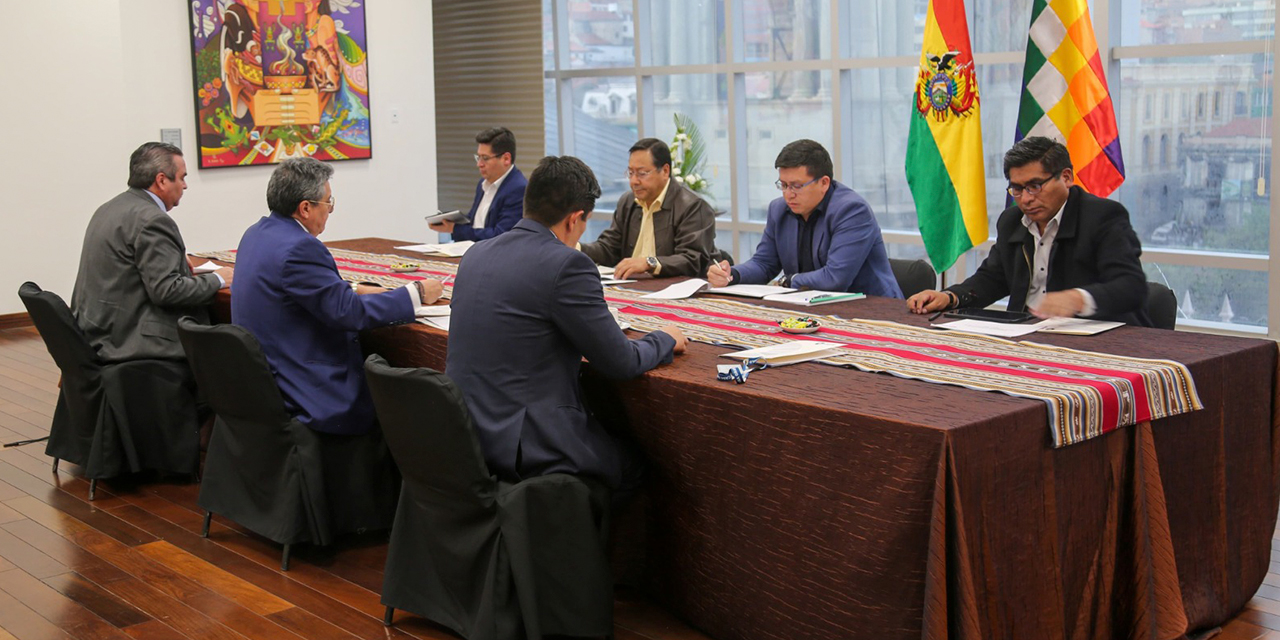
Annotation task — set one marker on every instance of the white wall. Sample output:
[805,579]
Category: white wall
[72,113]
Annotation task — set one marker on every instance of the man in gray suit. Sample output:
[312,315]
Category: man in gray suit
[134,280]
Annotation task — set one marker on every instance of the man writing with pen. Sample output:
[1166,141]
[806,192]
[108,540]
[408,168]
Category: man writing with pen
[1059,251]
[819,235]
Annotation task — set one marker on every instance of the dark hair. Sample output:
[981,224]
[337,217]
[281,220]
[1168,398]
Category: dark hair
[295,181]
[805,153]
[558,186]
[151,159]
[500,141]
[657,149]
[1051,155]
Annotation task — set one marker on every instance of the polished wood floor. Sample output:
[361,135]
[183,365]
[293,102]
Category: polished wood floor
[132,564]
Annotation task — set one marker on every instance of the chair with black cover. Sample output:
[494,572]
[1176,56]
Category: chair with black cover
[263,469]
[1162,306]
[113,418]
[489,559]
[913,276]
[722,255]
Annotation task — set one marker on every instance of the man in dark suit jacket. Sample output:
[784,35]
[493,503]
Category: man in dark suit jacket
[289,295]
[527,308]
[134,280]
[660,226]
[500,192]
[1059,252]
[820,234]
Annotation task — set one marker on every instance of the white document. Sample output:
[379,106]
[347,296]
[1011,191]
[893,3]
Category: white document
[998,329]
[605,271]
[208,267]
[451,249]
[1076,326]
[610,281]
[811,298]
[751,290]
[789,352]
[439,322]
[678,291]
[432,311]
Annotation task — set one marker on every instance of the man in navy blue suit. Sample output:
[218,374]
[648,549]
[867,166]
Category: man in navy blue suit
[500,192]
[819,235]
[289,295]
[527,308]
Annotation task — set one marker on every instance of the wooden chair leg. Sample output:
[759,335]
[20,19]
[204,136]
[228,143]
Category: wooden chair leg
[386,619]
[93,488]
[284,559]
[208,517]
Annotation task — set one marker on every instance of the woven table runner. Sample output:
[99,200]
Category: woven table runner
[1087,394]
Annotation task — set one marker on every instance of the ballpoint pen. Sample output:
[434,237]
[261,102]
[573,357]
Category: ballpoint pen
[936,316]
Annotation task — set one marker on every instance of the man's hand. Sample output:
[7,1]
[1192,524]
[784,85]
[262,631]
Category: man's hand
[630,267]
[718,273]
[928,301]
[1059,304]
[444,226]
[682,343]
[430,290]
[226,273]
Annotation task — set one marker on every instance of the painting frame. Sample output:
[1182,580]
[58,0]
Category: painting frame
[278,79]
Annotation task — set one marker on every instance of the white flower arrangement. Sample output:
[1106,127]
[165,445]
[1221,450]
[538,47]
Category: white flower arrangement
[689,156]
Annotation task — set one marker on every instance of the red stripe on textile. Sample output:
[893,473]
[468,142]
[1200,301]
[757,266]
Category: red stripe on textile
[1110,397]
[391,274]
[1136,381]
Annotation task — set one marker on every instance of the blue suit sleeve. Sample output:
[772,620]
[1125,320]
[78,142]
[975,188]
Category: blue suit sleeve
[579,310]
[311,280]
[765,264]
[505,211]
[852,236]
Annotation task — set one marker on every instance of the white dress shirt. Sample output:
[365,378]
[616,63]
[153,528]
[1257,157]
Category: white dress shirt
[490,190]
[1040,263]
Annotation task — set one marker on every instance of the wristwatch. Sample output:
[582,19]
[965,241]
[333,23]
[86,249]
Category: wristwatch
[652,262]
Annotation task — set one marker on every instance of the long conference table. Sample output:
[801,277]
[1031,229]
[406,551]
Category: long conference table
[821,502]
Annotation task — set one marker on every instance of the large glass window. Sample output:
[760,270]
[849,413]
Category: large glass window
[687,31]
[781,106]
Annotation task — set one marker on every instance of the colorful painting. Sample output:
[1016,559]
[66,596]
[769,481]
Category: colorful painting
[279,79]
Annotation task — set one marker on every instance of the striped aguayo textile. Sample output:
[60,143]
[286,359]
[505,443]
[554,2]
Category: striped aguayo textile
[1087,394]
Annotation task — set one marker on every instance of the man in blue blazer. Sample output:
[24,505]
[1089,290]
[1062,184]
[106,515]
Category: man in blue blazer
[527,308]
[820,234]
[500,192]
[288,293]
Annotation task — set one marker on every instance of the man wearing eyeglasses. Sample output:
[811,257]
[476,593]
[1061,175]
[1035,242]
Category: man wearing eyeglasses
[819,235]
[499,198]
[288,293]
[1059,251]
[660,227]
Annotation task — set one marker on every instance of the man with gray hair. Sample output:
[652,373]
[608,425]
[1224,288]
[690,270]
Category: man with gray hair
[289,295]
[134,280]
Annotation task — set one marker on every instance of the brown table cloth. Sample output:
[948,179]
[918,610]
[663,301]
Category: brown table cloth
[818,502]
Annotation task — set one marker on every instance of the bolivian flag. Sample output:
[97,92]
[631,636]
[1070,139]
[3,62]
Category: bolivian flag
[944,150]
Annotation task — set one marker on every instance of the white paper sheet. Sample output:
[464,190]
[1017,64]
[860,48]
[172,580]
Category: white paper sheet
[605,271]
[1076,326]
[440,322]
[451,249]
[208,267]
[751,290]
[789,352]
[998,329]
[432,311]
[678,291]
[811,298]
[610,281]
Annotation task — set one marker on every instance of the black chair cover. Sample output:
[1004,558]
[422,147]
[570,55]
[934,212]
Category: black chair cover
[488,559]
[114,418]
[913,276]
[267,471]
[1162,306]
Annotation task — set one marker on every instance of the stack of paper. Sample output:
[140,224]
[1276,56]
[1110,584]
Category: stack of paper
[751,290]
[1067,326]
[451,249]
[208,267]
[792,352]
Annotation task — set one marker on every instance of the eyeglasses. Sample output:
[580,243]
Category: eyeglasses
[1031,188]
[332,202]
[480,158]
[641,173]
[794,188]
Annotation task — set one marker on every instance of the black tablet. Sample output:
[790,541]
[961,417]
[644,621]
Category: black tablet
[991,315]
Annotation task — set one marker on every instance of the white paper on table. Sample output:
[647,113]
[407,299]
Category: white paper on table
[789,352]
[439,322]
[208,267]
[679,290]
[1076,326]
[750,290]
[610,281]
[432,311]
[814,297]
[605,271]
[997,329]
[450,249]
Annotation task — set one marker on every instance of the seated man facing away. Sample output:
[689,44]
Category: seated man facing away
[289,295]
[1059,252]
[527,308]
[660,226]
[820,234]
[500,192]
